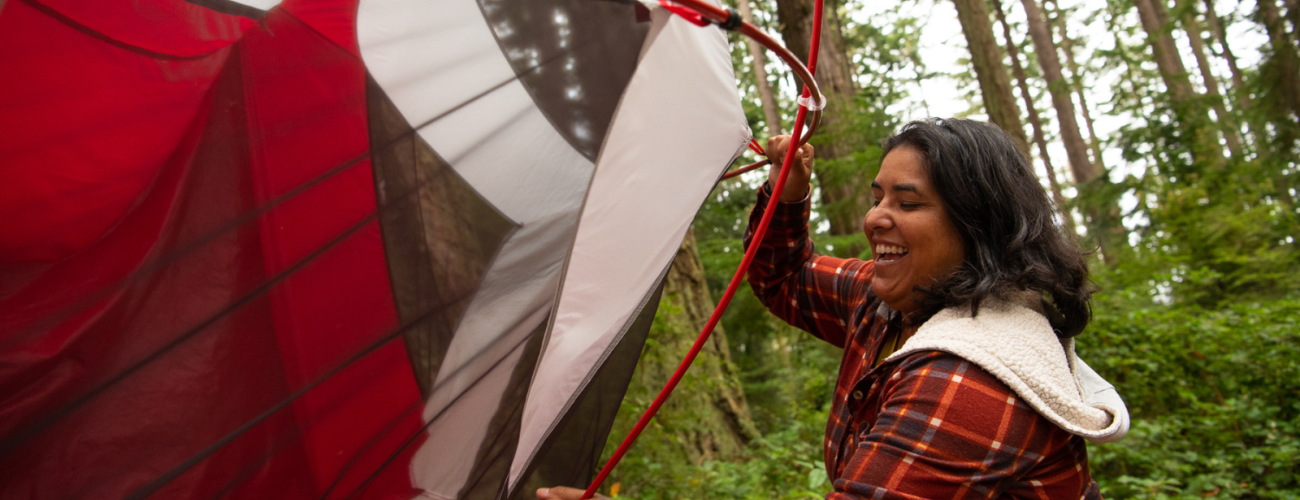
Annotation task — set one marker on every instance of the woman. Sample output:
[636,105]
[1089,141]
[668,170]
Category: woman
[959,378]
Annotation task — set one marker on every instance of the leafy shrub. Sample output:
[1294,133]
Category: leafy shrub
[1214,396]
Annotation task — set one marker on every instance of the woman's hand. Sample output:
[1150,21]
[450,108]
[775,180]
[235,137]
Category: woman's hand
[564,493]
[796,185]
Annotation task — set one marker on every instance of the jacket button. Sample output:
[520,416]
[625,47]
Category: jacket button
[856,395]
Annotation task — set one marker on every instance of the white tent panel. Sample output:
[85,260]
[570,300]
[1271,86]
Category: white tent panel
[439,59]
[431,57]
[679,125]
[511,303]
[513,300]
[442,466]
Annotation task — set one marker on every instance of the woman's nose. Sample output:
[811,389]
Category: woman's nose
[877,219]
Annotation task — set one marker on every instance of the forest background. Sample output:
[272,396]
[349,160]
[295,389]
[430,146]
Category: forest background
[1167,134]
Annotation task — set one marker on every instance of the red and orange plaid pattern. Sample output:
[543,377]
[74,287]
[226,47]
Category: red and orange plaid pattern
[928,426]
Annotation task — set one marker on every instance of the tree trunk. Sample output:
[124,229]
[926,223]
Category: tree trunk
[1227,123]
[1286,81]
[1067,45]
[1238,81]
[1103,221]
[844,197]
[1154,22]
[992,75]
[1035,122]
[834,72]
[1281,72]
[1240,92]
[761,80]
[1204,145]
[1293,15]
[1084,171]
[707,414]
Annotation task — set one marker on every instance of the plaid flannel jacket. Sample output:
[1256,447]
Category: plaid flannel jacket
[930,425]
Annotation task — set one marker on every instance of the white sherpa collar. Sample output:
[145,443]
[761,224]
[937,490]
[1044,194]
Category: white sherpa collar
[1016,344]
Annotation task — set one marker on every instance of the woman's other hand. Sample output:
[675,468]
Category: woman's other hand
[563,493]
[796,185]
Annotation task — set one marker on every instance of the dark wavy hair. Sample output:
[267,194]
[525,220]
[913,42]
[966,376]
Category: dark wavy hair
[990,192]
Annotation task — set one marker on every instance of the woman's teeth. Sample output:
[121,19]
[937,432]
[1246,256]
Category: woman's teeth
[888,249]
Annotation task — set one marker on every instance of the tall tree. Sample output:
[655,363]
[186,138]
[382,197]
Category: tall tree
[1285,64]
[1102,219]
[1186,101]
[1293,15]
[1280,76]
[1227,123]
[1240,92]
[834,71]
[985,56]
[844,197]
[1238,81]
[1075,149]
[1076,80]
[1036,122]
[762,82]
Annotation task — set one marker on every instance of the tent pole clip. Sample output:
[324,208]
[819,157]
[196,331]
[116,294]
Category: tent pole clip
[732,23]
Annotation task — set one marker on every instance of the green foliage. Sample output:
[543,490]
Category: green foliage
[1214,396]
[785,464]
[1206,230]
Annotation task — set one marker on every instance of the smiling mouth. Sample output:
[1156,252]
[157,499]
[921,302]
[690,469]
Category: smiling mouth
[889,253]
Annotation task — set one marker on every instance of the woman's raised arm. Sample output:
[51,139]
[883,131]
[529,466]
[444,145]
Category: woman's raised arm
[815,293]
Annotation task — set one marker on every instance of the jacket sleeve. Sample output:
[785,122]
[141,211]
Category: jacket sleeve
[949,429]
[815,293]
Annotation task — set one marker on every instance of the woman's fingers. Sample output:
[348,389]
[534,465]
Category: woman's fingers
[806,156]
[562,493]
[776,145]
[796,184]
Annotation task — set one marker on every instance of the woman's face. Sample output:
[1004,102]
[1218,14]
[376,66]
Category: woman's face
[912,239]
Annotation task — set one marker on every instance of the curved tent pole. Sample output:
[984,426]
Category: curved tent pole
[753,145]
[703,13]
[752,166]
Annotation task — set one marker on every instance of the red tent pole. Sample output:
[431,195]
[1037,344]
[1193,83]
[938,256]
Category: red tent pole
[708,11]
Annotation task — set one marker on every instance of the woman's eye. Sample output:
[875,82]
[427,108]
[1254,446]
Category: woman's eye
[909,206]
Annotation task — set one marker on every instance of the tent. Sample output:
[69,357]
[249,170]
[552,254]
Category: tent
[338,248]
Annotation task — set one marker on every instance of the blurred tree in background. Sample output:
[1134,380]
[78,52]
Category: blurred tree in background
[1188,204]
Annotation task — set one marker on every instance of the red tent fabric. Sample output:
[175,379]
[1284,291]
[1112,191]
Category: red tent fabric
[192,283]
[238,261]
